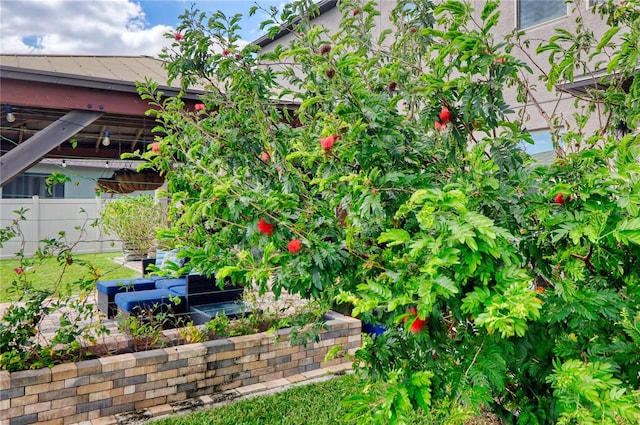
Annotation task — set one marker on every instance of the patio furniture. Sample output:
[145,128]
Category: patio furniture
[206,300]
[199,295]
[153,300]
[108,289]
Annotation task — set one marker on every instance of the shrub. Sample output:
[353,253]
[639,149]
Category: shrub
[401,174]
[135,220]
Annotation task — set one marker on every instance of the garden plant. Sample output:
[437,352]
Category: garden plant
[388,174]
[22,346]
[135,220]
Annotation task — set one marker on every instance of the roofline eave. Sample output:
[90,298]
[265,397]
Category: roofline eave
[48,77]
[265,40]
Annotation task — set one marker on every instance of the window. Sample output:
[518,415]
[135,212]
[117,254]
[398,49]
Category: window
[532,12]
[28,184]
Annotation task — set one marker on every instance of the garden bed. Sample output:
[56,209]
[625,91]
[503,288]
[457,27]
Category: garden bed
[92,389]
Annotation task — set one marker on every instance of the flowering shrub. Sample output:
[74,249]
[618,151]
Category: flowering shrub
[400,170]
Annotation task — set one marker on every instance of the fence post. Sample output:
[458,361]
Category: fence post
[34,240]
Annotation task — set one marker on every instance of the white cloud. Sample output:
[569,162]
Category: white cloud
[98,27]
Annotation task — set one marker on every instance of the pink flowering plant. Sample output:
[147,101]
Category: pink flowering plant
[396,184]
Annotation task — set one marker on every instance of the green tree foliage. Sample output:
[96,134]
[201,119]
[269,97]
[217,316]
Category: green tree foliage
[396,164]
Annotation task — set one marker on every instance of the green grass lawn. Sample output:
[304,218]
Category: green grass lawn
[45,274]
[313,404]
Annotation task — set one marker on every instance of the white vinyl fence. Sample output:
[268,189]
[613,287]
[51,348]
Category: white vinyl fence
[46,218]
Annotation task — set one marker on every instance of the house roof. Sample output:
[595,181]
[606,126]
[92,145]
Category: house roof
[98,72]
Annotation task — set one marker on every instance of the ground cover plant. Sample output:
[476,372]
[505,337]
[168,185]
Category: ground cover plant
[398,185]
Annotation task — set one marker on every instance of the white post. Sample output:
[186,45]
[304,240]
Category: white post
[35,226]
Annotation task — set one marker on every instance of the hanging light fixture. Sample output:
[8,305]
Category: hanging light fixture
[10,115]
[106,140]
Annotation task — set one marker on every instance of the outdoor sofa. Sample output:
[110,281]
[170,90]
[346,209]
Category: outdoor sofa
[199,296]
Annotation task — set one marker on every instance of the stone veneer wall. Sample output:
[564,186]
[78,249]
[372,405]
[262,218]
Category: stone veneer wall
[87,390]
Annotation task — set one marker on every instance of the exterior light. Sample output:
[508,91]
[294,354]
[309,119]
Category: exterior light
[64,164]
[106,164]
[10,116]
[106,141]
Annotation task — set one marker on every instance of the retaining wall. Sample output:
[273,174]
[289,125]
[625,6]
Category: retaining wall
[93,389]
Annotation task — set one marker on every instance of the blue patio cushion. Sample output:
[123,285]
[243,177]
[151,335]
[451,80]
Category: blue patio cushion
[172,257]
[128,301]
[160,254]
[171,282]
[111,287]
[180,290]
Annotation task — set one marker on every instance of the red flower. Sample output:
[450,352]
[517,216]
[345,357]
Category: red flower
[18,270]
[155,147]
[560,199]
[265,156]
[327,142]
[501,60]
[439,126]
[177,36]
[418,324]
[324,49]
[264,227]
[445,115]
[225,52]
[294,246]
[200,107]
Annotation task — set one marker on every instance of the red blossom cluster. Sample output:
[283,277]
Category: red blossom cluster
[418,324]
[328,142]
[294,246]
[445,118]
[561,199]
[265,227]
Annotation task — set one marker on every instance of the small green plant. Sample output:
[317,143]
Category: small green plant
[145,327]
[136,221]
[190,333]
[219,325]
[22,346]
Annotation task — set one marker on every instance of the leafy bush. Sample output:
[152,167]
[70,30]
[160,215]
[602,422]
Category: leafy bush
[398,184]
[135,220]
[21,344]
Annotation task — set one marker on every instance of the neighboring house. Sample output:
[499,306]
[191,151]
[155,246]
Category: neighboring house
[73,115]
[538,19]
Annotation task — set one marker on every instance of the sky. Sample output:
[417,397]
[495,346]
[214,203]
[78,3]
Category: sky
[107,27]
